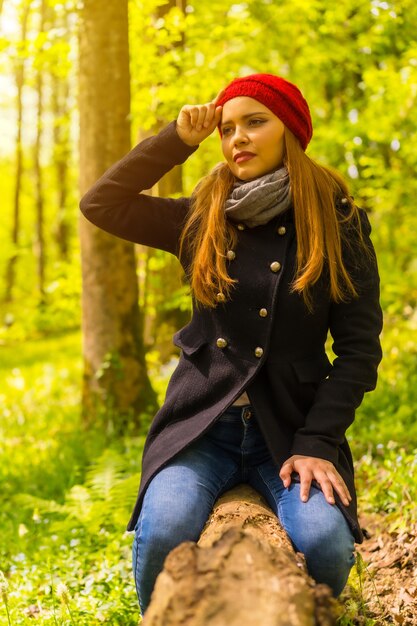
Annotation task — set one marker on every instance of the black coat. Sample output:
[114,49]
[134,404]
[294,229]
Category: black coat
[304,404]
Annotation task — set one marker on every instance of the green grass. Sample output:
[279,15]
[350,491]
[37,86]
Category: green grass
[66,496]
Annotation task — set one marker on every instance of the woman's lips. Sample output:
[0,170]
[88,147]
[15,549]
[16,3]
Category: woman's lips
[243,156]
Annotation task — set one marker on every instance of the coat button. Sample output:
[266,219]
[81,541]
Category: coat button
[221,343]
[258,352]
[275,266]
[221,297]
[263,312]
[231,255]
[241,227]
[282,230]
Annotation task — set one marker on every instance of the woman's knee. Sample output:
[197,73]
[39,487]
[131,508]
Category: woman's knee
[320,531]
[168,519]
[327,534]
[329,553]
[173,511]
[176,506]
[332,564]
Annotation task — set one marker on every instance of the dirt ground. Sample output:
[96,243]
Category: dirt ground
[389,574]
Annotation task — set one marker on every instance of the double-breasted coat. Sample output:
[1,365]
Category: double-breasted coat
[263,341]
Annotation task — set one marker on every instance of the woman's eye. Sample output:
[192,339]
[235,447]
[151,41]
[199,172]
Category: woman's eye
[226,131]
[255,122]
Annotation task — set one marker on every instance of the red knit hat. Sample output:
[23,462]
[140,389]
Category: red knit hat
[280,96]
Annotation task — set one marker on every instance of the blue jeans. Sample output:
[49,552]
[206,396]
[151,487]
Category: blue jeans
[179,500]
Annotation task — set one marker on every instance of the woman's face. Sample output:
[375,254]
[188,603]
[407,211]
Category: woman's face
[252,138]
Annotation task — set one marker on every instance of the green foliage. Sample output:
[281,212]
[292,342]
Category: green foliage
[90,567]
[355,608]
[30,314]
[66,496]
[388,414]
[387,484]
[39,416]
[58,311]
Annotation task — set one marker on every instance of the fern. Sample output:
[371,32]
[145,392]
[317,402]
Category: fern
[104,500]
[105,473]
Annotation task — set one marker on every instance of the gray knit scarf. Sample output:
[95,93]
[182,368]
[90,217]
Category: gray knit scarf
[257,201]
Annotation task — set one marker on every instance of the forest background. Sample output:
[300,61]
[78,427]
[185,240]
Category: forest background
[82,82]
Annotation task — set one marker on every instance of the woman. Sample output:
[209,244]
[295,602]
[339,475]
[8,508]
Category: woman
[277,255]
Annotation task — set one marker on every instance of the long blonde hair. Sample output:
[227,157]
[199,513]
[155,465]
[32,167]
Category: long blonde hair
[318,227]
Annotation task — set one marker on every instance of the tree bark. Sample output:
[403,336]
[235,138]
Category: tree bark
[19,66]
[39,242]
[116,386]
[61,93]
[243,571]
[62,159]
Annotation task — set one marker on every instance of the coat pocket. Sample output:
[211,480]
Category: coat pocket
[312,370]
[189,340]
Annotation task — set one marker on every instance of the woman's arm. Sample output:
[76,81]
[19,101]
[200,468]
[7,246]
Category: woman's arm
[355,327]
[115,204]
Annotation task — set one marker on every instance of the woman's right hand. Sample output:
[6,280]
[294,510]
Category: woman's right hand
[196,122]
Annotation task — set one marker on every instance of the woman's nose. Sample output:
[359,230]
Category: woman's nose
[239,136]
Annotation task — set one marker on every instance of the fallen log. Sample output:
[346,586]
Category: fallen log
[243,571]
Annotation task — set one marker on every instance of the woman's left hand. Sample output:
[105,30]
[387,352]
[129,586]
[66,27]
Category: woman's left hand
[324,472]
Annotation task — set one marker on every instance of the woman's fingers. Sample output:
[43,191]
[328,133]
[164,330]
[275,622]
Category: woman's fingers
[330,481]
[219,95]
[209,116]
[320,470]
[213,115]
[286,471]
[340,487]
[193,113]
[326,487]
[201,116]
[305,483]
[196,122]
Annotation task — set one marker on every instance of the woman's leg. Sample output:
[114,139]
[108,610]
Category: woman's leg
[316,528]
[177,504]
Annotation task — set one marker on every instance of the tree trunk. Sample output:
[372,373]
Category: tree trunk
[19,65]
[62,151]
[243,571]
[39,242]
[116,385]
[62,159]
